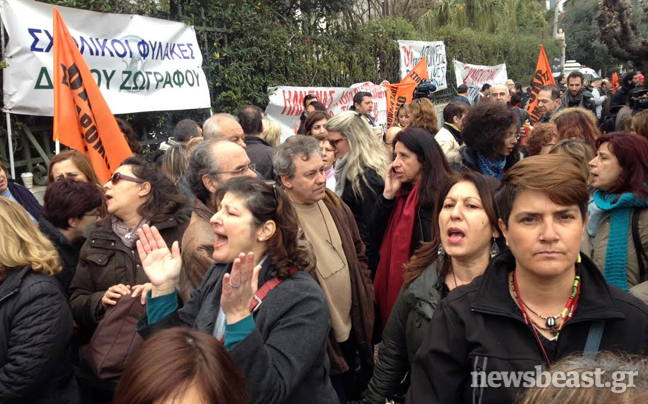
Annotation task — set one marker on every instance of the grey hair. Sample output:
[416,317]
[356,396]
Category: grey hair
[494,85]
[202,162]
[283,160]
[211,127]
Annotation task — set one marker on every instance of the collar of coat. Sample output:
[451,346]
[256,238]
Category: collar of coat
[595,302]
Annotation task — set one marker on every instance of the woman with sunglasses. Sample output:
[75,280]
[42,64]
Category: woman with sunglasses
[490,133]
[109,266]
[362,162]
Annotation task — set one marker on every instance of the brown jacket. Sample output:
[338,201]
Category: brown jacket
[596,249]
[105,261]
[198,248]
[362,291]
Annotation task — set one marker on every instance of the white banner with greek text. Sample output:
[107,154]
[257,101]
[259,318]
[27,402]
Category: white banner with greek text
[287,103]
[478,75]
[411,53]
[140,63]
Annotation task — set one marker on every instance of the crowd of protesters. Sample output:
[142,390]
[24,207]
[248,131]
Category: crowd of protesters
[349,263]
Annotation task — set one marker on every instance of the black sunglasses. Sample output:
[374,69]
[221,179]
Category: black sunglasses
[116,177]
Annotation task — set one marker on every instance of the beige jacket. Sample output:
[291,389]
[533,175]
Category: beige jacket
[198,248]
[449,145]
[597,249]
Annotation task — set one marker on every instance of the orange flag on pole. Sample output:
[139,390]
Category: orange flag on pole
[542,77]
[82,119]
[615,83]
[401,93]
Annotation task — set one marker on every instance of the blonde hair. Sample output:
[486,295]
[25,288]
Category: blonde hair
[365,152]
[191,145]
[175,163]
[639,123]
[22,243]
[271,132]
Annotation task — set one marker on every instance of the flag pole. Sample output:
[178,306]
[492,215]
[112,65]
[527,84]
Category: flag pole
[57,148]
[12,164]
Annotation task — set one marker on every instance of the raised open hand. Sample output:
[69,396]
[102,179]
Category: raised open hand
[161,265]
[239,288]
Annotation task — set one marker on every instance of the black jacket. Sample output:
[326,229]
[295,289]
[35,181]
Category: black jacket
[479,327]
[35,331]
[380,220]
[586,101]
[284,359]
[68,252]
[260,153]
[362,208]
[403,334]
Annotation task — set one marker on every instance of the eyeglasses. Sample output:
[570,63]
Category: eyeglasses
[116,177]
[515,135]
[238,171]
[334,142]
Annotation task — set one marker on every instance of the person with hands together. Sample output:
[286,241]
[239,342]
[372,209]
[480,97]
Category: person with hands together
[257,298]
[402,216]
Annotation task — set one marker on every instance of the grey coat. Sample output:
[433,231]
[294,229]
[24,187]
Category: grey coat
[403,334]
[284,359]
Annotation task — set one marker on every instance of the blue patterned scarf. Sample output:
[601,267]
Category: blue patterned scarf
[491,168]
[616,256]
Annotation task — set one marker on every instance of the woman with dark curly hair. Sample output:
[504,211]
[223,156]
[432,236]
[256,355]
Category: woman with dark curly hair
[258,297]
[490,133]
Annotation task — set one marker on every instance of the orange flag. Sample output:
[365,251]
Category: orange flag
[541,78]
[401,93]
[615,83]
[82,119]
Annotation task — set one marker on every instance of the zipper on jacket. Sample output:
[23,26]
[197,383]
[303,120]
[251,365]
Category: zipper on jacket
[8,295]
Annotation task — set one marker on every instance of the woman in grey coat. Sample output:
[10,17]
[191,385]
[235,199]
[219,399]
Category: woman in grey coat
[466,238]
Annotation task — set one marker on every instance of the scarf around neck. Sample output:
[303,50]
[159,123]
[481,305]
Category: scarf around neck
[616,256]
[341,169]
[395,251]
[491,168]
[127,235]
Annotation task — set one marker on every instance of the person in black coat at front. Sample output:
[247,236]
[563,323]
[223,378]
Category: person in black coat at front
[534,305]
[70,207]
[35,320]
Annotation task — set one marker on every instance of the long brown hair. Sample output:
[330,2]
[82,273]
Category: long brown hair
[170,362]
[428,252]
[579,123]
[270,202]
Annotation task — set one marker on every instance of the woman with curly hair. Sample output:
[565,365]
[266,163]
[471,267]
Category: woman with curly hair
[423,115]
[490,133]
[541,139]
[35,320]
[579,123]
[258,297]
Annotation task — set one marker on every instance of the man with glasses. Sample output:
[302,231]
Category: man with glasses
[212,163]
[549,102]
[500,93]
[342,270]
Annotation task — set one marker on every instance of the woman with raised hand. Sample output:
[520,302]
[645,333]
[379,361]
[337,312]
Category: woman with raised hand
[402,216]
[257,298]
[536,303]
[465,240]
[35,320]
[617,232]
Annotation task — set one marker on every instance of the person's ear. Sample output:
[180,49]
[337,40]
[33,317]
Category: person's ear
[266,231]
[73,222]
[456,119]
[558,101]
[286,182]
[210,184]
[145,189]
[503,229]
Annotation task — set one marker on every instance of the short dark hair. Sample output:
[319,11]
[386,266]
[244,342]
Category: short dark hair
[555,91]
[307,98]
[359,97]
[560,178]
[576,74]
[312,119]
[68,198]
[455,108]
[484,128]
[185,130]
[202,162]
[462,89]
[250,118]
[628,77]
[318,106]
[485,87]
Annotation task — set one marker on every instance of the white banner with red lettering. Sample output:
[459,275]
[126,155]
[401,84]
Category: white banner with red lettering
[411,52]
[478,75]
[287,103]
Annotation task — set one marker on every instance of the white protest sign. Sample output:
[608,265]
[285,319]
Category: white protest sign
[287,103]
[411,53]
[478,75]
[140,63]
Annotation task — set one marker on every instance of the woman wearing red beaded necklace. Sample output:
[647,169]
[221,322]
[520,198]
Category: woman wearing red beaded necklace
[535,304]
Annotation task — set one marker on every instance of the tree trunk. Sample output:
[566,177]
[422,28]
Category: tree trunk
[619,31]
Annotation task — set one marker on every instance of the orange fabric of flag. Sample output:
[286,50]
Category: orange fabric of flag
[82,119]
[541,78]
[401,93]
[615,83]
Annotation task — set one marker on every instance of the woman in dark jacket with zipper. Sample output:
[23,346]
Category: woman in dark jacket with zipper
[534,305]
[35,320]
[269,312]
[463,244]
[402,216]
[109,267]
